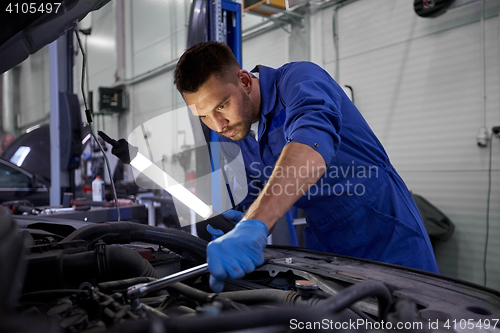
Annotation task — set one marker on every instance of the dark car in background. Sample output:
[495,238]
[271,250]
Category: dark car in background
[31,151]
[18,184]
[25,168]
[29,155]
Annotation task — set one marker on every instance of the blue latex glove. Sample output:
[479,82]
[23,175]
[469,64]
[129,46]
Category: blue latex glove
[216,233]
[236,253]
[232,216]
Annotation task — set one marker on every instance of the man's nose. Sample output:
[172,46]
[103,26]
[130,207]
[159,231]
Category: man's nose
[219,123]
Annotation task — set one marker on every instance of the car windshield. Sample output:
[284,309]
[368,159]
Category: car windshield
[12,178]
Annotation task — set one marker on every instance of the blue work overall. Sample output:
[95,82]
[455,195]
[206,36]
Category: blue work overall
[360,206]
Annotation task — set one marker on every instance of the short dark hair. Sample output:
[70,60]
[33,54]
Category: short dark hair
[201,61]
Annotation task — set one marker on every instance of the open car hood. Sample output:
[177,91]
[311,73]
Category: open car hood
[75,278]
[26,27]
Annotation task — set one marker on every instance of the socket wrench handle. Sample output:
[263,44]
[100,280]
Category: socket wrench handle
[142,289]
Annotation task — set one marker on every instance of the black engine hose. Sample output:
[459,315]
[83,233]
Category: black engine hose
[57,269]
[248,297]
[123,284]
[175,240]
[284,315]
[357,292]
[116,263]
[190,292]
[269,296]
[280,316]
[404,311]
[231,321]
[276,296]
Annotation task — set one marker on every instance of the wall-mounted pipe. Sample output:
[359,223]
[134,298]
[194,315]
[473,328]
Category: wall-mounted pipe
[336,36]
[120,40]
[336,42]
[10,99]
[483,61]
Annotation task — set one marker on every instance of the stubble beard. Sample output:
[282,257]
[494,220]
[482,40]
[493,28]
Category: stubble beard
[243,127]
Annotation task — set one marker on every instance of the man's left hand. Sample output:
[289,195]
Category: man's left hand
[236,253]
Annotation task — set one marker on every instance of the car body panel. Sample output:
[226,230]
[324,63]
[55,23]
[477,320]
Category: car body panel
[18,184]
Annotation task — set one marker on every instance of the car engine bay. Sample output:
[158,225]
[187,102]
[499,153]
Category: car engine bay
[58,278]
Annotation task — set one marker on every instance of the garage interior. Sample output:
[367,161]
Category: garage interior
[428,87]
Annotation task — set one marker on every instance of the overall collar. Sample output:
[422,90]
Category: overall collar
[267,83]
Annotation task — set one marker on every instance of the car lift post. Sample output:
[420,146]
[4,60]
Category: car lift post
[225,26]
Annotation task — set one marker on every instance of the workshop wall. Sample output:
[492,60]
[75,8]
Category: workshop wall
[34,101]
[158,32]
[100,49]
[274,44]
[26,94]
[418,82]
[155,35]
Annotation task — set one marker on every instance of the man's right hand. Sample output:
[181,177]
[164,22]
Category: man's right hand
[236,253]
[232,216]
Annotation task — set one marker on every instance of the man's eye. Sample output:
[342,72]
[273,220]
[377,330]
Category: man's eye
[221,107]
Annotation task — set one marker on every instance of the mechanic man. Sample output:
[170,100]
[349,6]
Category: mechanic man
[313,149]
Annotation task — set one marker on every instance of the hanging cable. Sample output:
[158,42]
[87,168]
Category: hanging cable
[146,139]
[88,78]
[89,121]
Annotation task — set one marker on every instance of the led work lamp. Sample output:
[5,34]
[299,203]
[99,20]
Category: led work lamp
[131,155]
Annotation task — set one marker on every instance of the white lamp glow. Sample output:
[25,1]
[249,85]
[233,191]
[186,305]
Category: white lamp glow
[169,184]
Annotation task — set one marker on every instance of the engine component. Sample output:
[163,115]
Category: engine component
[79,283]
[125,232]
[306,288]
[12,261]
[142,289]
[59,269]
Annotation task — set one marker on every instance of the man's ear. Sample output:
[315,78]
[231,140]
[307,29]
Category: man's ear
[245,78]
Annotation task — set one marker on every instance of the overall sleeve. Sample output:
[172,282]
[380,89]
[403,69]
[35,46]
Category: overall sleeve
[312,101]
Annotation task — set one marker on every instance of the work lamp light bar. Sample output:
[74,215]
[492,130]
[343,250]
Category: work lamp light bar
[169,184]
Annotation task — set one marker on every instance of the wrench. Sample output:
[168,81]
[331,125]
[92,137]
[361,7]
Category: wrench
[142,289]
